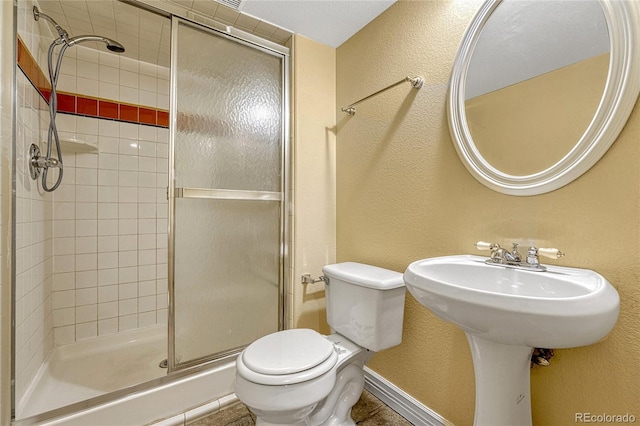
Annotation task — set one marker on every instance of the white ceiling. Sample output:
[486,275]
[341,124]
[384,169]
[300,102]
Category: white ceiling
[146,35]
[330,22]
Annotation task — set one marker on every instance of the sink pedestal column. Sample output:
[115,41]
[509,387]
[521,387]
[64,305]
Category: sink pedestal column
[503,396]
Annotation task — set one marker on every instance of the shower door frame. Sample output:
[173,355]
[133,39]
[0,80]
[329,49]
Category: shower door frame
[8,291]
[284,275]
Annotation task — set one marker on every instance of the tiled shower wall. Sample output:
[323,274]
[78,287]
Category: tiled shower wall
[34,225]
[92,256]
[110,213]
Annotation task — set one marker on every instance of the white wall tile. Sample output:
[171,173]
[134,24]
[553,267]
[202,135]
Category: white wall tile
[127,163]
[129,131]
[87,126]
[107,177]
[108,310]
[108,128]
[108,144]
[128,78]
[87,54]
[107,326]
[86,313]
[64,281]
[147,288]
[106,90]
[108,194]
[108,276]
[128,307]
[86,244]
[86,176]
[64,246]
[85,68]
[86,296]
[147,319]
[108,74]
[107,243]
[128,274]
[108,293]
[64,299]
[146,211]
[86,262]
[147,226]
[64,263]
[108,162]
[109,59]
[107,227]
[105,215]
[87,210]
[128,322]
[63,317]
[128,147]
[147,303]
[86,227]
[87,87]
[64,335]
[146,98]
[85,279]
[128,178]
[108,260]
[86,330]
[128,94]
[127,258]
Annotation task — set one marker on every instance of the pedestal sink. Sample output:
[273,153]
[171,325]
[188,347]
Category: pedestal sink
[506,312]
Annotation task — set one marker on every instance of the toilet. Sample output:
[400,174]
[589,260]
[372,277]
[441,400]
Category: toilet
[299,377]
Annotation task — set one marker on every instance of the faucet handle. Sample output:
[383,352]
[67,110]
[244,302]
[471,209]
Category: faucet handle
[515,253]
[552,253]
[483,245]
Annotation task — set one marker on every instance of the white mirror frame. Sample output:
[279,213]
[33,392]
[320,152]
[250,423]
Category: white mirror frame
[620,95]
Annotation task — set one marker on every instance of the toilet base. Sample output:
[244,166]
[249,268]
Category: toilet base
[334,409]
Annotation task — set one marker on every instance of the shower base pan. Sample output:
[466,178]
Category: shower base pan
[92,368]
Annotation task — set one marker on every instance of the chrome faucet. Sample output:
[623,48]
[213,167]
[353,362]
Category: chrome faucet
[503,256]
[513,258]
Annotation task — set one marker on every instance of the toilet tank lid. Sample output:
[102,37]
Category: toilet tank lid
[364,275]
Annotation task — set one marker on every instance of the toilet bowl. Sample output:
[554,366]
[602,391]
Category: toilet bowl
[295,397]
[299,377]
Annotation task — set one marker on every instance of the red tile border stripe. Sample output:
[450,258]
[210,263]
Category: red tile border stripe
[76,104]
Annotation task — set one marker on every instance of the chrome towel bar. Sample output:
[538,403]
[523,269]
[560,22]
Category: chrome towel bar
[416,83]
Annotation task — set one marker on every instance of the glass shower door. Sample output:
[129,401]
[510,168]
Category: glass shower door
[226,200]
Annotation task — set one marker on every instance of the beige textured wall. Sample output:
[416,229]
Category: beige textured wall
[404,195]
[314,146]
[559,108]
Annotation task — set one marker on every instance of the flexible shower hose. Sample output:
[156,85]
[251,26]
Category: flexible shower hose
[52,134]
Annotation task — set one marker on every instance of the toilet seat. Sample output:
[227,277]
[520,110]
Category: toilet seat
[287,357]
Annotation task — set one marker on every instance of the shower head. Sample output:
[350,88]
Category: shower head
[112,45]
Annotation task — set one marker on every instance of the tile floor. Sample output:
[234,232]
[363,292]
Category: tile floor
[369,411]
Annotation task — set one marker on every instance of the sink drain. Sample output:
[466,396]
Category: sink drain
[164,364]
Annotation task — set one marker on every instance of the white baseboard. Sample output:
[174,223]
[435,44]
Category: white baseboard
[401,402]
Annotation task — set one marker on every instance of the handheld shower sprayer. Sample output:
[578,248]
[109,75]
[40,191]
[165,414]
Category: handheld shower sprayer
[39,163]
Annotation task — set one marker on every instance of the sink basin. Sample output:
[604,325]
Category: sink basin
[559,308]
[506,312]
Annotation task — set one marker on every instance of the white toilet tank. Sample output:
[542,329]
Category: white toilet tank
[365,304]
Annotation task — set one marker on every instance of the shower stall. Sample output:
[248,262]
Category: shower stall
[164,250]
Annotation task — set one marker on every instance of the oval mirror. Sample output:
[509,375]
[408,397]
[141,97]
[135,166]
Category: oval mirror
[541,89]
